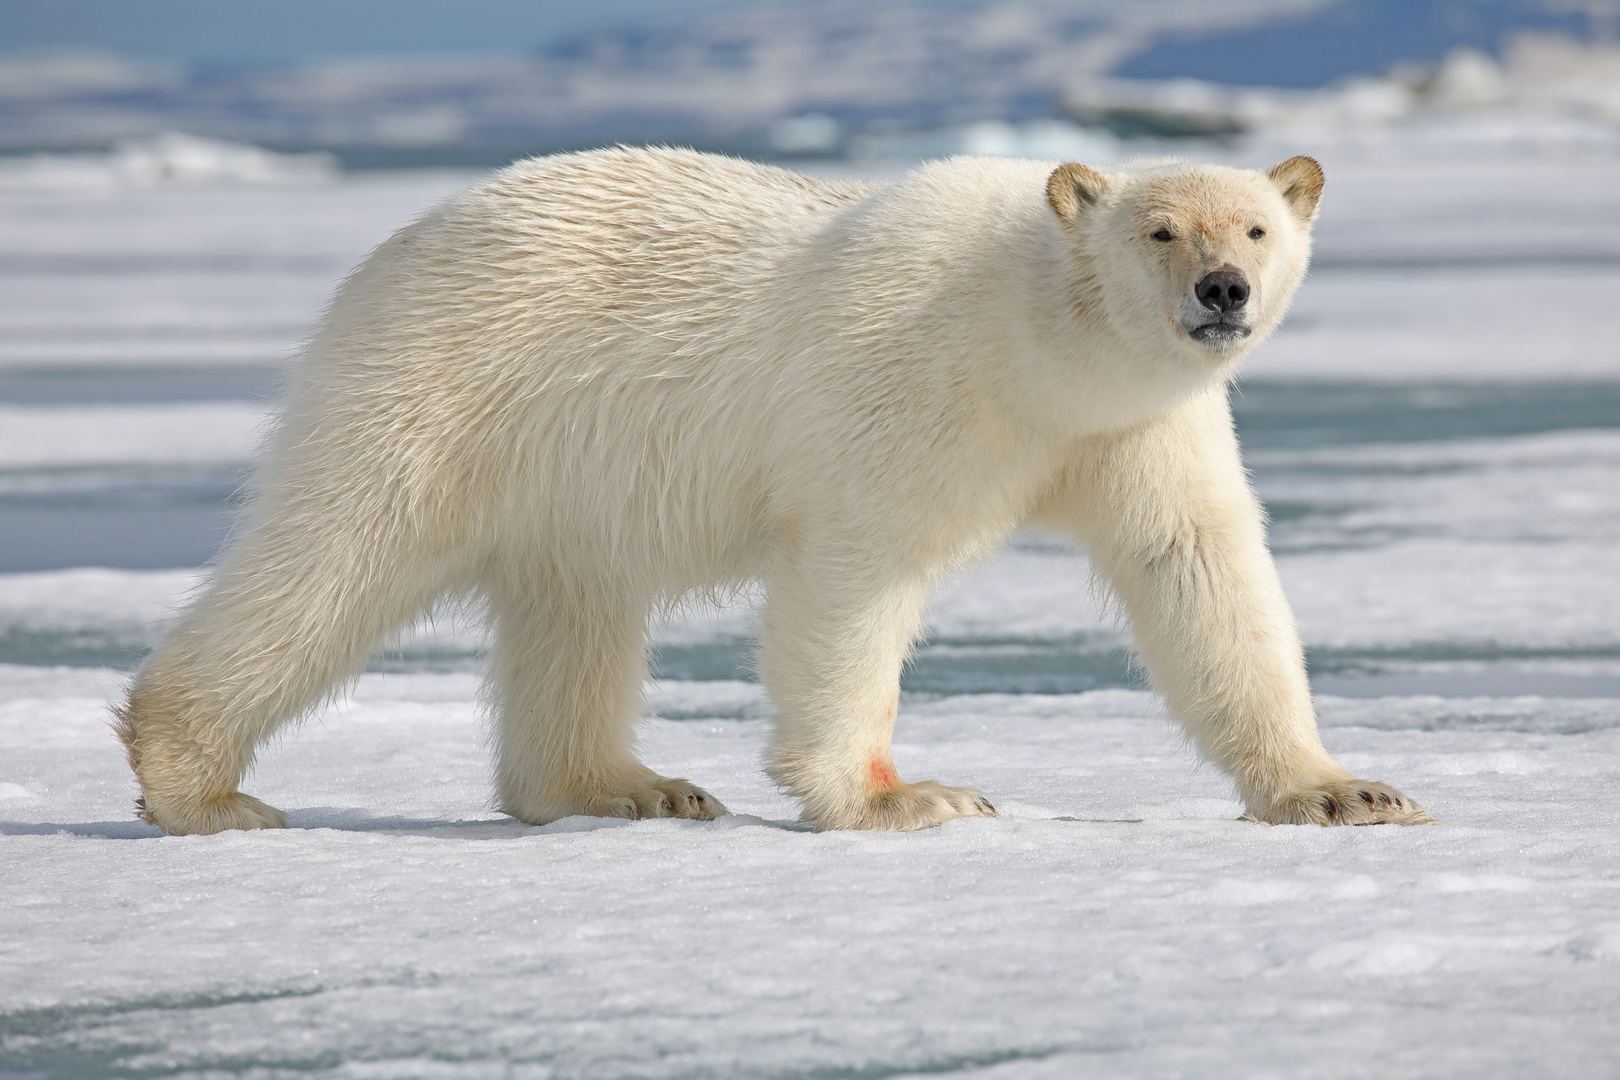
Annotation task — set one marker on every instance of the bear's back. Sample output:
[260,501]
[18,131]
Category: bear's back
[603,268]
[634,242]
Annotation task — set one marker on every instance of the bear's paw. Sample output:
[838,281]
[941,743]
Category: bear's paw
[1344,802]
[654,797]
[190,818]
[663,798]
[903,807]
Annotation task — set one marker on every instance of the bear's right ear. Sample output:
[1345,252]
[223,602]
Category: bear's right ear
[1072,188]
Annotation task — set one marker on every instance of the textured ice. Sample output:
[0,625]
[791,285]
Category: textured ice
[1116,919]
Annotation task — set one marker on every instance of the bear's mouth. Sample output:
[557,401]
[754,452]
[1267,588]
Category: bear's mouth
[1219,332]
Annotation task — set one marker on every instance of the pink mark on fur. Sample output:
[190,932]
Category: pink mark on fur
[882,774]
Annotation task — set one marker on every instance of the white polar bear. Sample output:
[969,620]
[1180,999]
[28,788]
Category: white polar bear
[600,382]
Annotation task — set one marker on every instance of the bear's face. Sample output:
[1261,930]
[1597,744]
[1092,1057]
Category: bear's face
[1198,259]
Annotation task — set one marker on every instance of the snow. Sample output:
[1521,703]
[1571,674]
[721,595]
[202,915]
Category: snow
[1434,432]
[1116,918]
[66,436]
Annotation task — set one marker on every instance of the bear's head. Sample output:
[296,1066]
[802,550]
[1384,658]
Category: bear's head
[1200,258]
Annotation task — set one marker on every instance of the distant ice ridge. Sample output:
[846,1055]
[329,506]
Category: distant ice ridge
[727,76]
[820,79]
[169,159]
[1055,139]
[1546,90]
[898,81]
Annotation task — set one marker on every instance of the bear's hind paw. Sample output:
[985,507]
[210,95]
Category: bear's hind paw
[1344,802]
[233,811]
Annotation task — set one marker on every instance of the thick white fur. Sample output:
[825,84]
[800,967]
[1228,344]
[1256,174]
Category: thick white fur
[600,382]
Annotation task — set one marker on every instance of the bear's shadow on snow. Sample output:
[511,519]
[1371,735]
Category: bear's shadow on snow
[352,819]
[94,830]
[346,819]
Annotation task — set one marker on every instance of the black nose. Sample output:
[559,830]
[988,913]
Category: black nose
[1223,291]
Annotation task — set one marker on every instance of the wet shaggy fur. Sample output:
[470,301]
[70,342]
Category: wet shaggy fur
[600,382]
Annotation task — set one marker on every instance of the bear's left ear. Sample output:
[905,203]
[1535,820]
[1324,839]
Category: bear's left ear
[1072,188]
[1300,179]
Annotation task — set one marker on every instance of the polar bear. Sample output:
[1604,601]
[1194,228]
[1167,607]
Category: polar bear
[600,382]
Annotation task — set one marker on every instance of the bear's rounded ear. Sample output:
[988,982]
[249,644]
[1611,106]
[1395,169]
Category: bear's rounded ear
[1072,188]
[1300,179]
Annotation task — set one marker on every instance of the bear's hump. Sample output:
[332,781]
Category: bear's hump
[679,186]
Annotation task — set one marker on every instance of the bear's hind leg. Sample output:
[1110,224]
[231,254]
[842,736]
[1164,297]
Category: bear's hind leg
[293,611]
[566,684]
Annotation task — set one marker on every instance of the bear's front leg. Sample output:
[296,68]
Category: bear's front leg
[836,634]
[1174,527]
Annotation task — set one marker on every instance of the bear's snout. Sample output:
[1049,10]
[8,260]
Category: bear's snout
[1217,314]
[1223,291]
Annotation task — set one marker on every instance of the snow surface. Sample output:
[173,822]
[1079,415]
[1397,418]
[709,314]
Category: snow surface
[1436,433]
[1116,919]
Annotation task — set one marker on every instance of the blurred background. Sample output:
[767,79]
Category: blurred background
[183,183]
[377,83]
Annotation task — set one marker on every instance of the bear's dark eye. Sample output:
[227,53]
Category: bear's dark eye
[1256,233]
[1163,236]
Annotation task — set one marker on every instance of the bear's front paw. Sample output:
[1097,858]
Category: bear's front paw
[1344,802]
[185,818]
[906,806]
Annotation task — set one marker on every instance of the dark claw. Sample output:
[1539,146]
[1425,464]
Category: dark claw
[1330,805]
[1383,798]
[1366,797]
